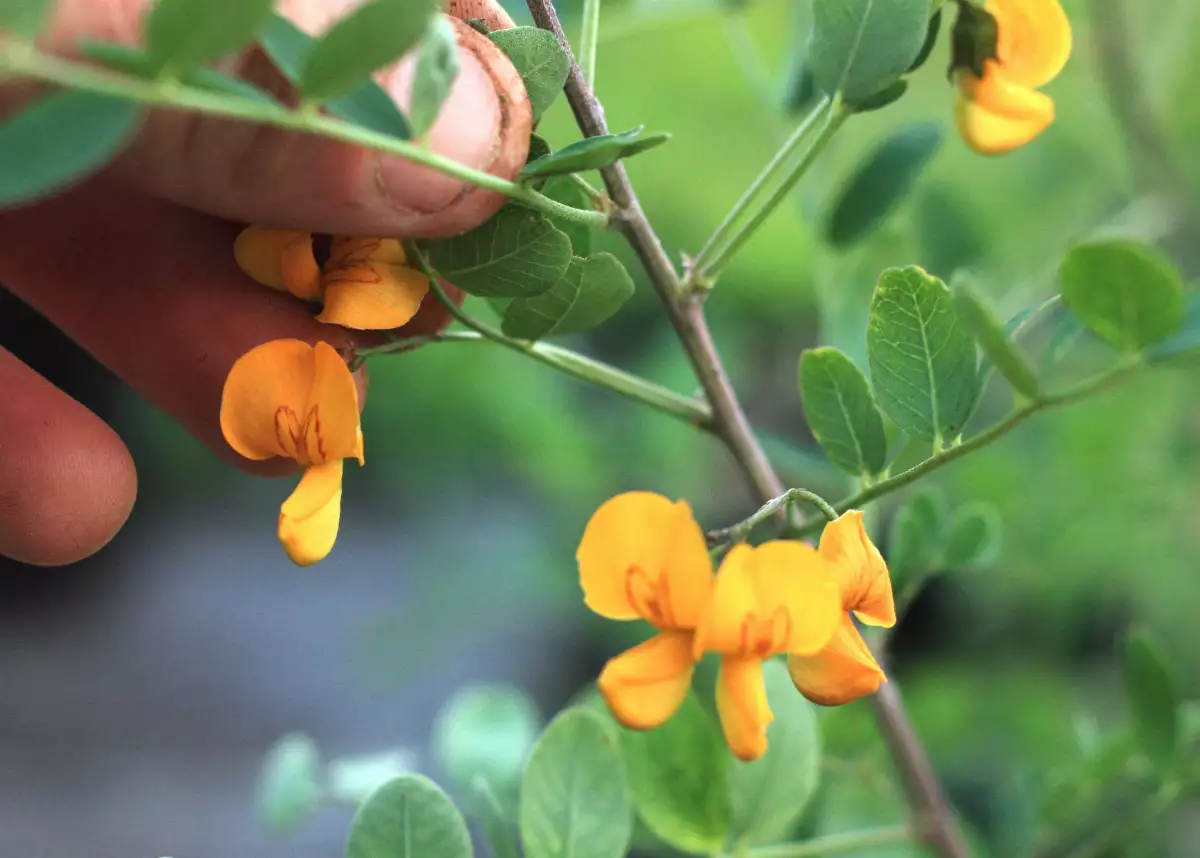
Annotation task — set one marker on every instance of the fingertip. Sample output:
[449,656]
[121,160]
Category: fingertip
[67,482]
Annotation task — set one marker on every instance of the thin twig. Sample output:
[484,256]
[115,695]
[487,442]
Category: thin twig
[740,532]
[939,828]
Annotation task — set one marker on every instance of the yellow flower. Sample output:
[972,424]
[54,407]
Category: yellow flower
[643,556]
[845,669]
[1000,107]
[366,284]
[778,598]
[287,398]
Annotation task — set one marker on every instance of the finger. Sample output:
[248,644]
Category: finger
[152,291]
[67,483]
[257,174]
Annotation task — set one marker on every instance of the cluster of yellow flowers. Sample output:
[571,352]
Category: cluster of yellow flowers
[644,557]
[290,399]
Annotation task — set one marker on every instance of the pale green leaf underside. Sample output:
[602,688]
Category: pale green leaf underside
[516,254]
[678,775]
[409,817]
[540,60]
[574,798]
[591,291]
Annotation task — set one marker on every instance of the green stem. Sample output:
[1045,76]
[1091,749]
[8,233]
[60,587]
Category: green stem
[702,263]
[832,844]
[589,40]
[1083,390]
[178,96]
[835,115]
[685,408]
[741,531]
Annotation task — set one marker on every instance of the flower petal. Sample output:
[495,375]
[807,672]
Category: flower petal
[270,377]
[742,706]
[778,597]
[997,93]
[861,572]
[992,134]
[308,520]
[844,671]
[334,432]
[346,250]
[279,258]
[1034,39]
[373,296]
[643,556]
[644,686]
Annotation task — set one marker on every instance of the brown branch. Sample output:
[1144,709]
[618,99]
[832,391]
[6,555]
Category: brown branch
[937,825]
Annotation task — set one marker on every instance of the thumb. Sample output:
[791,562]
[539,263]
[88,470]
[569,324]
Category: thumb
[256,174]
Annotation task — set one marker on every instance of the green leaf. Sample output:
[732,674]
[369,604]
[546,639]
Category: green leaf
[516,254]
[368,105]
[881,99]
[1127,293]
[486,731]
[289,787]
[592,153]
[923,361]
[973,537]
[1153,697]
[881,182]
[437,67]
[373,35]
[931,37]
[409,817]
[563,189]
[591,291]
[24,18]
[841,411]
[1185,341]
[979,317]
[135,62]
[574,798]
[678,775]
[60,140]
[860,47]
[770,794]
[540,60]
[185,34]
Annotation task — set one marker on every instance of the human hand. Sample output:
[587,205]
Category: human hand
[136,264]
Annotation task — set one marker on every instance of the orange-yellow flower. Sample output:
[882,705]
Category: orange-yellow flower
[1000,107]
[366,284]
[643,556]
[845,669]
[287,398]
[778,598]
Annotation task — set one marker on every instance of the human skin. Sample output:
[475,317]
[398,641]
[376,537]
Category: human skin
[136,264]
